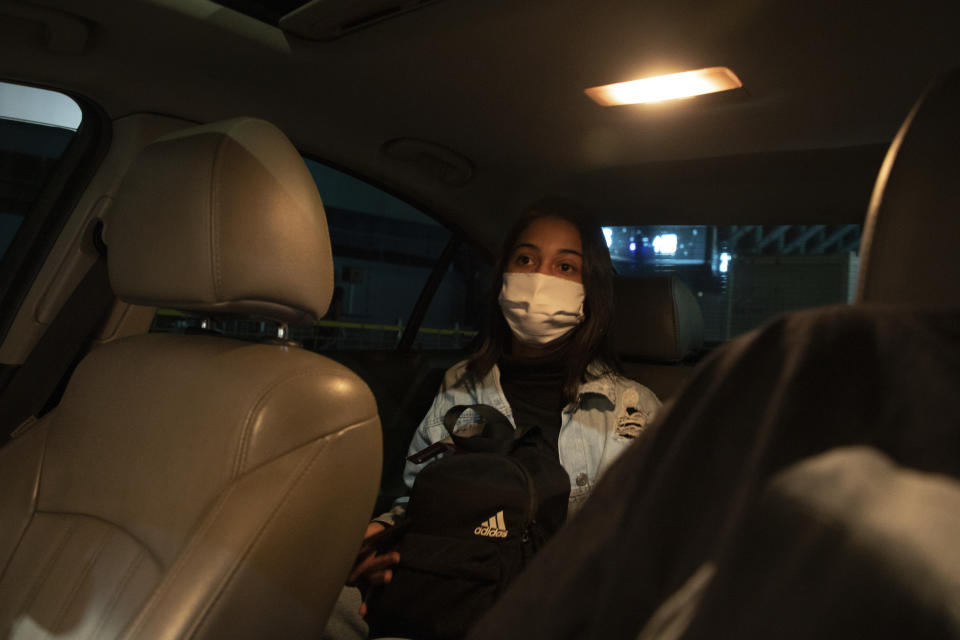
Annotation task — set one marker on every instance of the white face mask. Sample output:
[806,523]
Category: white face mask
[540,308]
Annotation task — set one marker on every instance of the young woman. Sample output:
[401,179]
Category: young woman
[546,360]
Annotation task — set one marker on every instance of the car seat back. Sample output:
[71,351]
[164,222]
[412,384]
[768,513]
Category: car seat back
[658,325]
[193,486]
[909,241]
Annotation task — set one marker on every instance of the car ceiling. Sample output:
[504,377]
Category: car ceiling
[501,82]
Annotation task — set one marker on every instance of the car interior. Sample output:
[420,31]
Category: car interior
[241,242]
[805,482]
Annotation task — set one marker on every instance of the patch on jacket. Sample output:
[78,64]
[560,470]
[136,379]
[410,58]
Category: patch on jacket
[469,424]
[631,422]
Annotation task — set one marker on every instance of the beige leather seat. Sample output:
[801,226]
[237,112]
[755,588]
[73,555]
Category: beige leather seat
[658,325]
[193,485]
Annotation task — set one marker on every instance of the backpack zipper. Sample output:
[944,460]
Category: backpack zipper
[532,507]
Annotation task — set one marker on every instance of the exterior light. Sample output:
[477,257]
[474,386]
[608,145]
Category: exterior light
[667,87]
[39,106]
[608,235]
[665,244]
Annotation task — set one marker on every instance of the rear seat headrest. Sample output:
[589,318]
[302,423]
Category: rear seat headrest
[909,243]
[657,319]
[222,219]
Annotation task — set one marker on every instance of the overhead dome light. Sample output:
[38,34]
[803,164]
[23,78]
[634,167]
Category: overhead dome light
[669,87]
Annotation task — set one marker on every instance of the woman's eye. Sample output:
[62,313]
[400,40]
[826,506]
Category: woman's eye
[568,268]
[522,260]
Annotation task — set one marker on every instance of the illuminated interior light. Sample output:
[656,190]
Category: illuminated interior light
[665,244]
[608,235]
[633,246]
[668,87]
[724,262]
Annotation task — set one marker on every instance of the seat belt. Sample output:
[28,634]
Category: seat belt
[39,382]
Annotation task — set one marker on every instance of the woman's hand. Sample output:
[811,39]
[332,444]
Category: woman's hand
[372,568]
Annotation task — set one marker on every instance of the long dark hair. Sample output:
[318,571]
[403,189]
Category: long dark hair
[591,341]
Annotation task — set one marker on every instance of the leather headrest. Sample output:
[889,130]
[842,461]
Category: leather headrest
[908,252]
[222,219]
[657,319]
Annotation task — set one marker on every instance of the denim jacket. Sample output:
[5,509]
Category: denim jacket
[609,413]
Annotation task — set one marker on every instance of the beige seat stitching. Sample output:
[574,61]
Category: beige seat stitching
[36,492]
[78,581]
[295,482]
[246,435]
[156,559]
[181,560]
[339,432]
[16,547]
[41,577]
[135,563]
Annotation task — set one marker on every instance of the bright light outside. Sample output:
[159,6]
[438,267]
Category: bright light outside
[724,262]
[608,235]
[666,244]
[667,87]
[39,106]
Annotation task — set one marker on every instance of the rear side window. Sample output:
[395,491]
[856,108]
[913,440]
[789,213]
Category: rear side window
[36,125]
[384,254]
[744,275]
[457,308]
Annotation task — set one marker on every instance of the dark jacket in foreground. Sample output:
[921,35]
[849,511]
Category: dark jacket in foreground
[804,384]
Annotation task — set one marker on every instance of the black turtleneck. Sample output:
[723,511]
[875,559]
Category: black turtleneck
[534,390]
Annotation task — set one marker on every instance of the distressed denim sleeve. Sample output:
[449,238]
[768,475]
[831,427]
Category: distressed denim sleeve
[431,430]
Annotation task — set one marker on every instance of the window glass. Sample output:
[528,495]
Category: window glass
[457,310]
[36,126]
[744,275]
[384,251]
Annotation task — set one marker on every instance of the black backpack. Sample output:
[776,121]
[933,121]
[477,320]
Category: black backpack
[474,519]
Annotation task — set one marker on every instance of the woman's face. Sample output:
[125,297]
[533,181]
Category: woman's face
[550,246]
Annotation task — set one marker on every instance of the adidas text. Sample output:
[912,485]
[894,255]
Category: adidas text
[493,527]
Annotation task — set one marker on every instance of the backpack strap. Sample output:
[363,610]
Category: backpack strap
[498,432]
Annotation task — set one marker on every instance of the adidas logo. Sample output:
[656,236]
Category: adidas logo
[492,528]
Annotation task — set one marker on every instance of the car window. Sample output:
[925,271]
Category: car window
[36,125]
[456,311]
[384,251]
[743,275]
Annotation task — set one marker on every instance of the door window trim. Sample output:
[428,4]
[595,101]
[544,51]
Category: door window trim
[47,216]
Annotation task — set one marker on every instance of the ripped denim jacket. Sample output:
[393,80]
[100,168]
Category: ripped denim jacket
[609,414]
